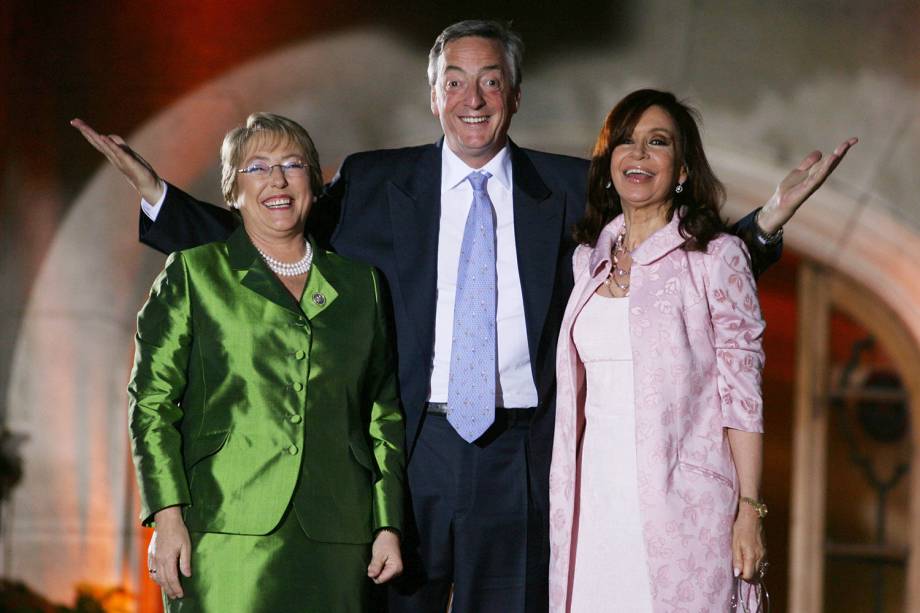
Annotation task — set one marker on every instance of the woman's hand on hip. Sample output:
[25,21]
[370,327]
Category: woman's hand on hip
[748,550]
[386,559]
[170,551]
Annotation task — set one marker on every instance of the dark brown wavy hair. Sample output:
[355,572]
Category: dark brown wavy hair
[703,193]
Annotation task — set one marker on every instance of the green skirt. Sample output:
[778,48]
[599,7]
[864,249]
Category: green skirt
[279,572]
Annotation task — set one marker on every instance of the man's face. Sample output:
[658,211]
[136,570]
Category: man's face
[474,99]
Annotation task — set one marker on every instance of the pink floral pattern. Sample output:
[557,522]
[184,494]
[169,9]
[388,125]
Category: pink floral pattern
[696,329]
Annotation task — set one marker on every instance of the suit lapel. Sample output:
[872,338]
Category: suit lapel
[538,219]
[319,292]
[254,274]
[414,197]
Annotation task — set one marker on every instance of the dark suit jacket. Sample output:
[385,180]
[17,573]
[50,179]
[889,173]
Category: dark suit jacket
[383,208]
[389,217]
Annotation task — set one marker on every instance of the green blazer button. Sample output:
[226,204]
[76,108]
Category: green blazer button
[295,419]
[300,354]
[292,450]
[297,387]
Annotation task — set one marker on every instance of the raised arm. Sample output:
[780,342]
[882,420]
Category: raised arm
[760,230]
[181,221]
[764,253]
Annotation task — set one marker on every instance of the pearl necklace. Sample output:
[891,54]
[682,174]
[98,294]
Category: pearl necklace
[619,250]
[285,269]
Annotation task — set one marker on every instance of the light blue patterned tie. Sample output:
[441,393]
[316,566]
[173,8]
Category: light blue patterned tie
[471,391]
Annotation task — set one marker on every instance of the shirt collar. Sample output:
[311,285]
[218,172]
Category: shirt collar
[454,170]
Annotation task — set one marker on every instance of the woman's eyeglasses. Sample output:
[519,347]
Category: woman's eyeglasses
[264,169]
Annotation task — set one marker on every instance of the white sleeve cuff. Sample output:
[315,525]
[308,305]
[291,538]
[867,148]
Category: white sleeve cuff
[152,210]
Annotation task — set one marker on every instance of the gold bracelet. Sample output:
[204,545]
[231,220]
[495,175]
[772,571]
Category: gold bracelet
[759,507]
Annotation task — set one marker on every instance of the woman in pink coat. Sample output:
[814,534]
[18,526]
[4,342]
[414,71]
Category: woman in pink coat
[655,479]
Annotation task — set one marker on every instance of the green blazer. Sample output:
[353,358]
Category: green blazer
[243,402]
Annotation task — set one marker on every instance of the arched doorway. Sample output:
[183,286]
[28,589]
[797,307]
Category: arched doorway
[855,498]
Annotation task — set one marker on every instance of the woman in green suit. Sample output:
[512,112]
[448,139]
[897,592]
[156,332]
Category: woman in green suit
[264,420]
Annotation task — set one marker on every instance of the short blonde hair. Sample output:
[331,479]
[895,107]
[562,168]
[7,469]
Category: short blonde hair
[274,127]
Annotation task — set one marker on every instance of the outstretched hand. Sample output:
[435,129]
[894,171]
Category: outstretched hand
[139,173]
[799,185]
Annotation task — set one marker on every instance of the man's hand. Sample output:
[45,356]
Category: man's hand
[139,173]
[798,185]
[170,551]
[386,560]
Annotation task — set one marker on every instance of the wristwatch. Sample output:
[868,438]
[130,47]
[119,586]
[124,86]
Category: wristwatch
[769,240]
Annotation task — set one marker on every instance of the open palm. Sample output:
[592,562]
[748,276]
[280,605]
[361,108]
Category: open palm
[799,185]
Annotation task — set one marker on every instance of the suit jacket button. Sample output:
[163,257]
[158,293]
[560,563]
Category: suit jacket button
[292,450]
[297,386]
[295,419]
[300,354]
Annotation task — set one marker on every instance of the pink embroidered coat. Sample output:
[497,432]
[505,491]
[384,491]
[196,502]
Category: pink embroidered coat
[695,328]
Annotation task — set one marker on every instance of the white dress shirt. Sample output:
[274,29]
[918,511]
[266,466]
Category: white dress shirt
[151,210]
[514,381]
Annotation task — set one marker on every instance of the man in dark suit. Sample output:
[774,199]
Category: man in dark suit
[473,237]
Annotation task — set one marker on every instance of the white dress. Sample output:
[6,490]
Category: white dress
[610,572]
